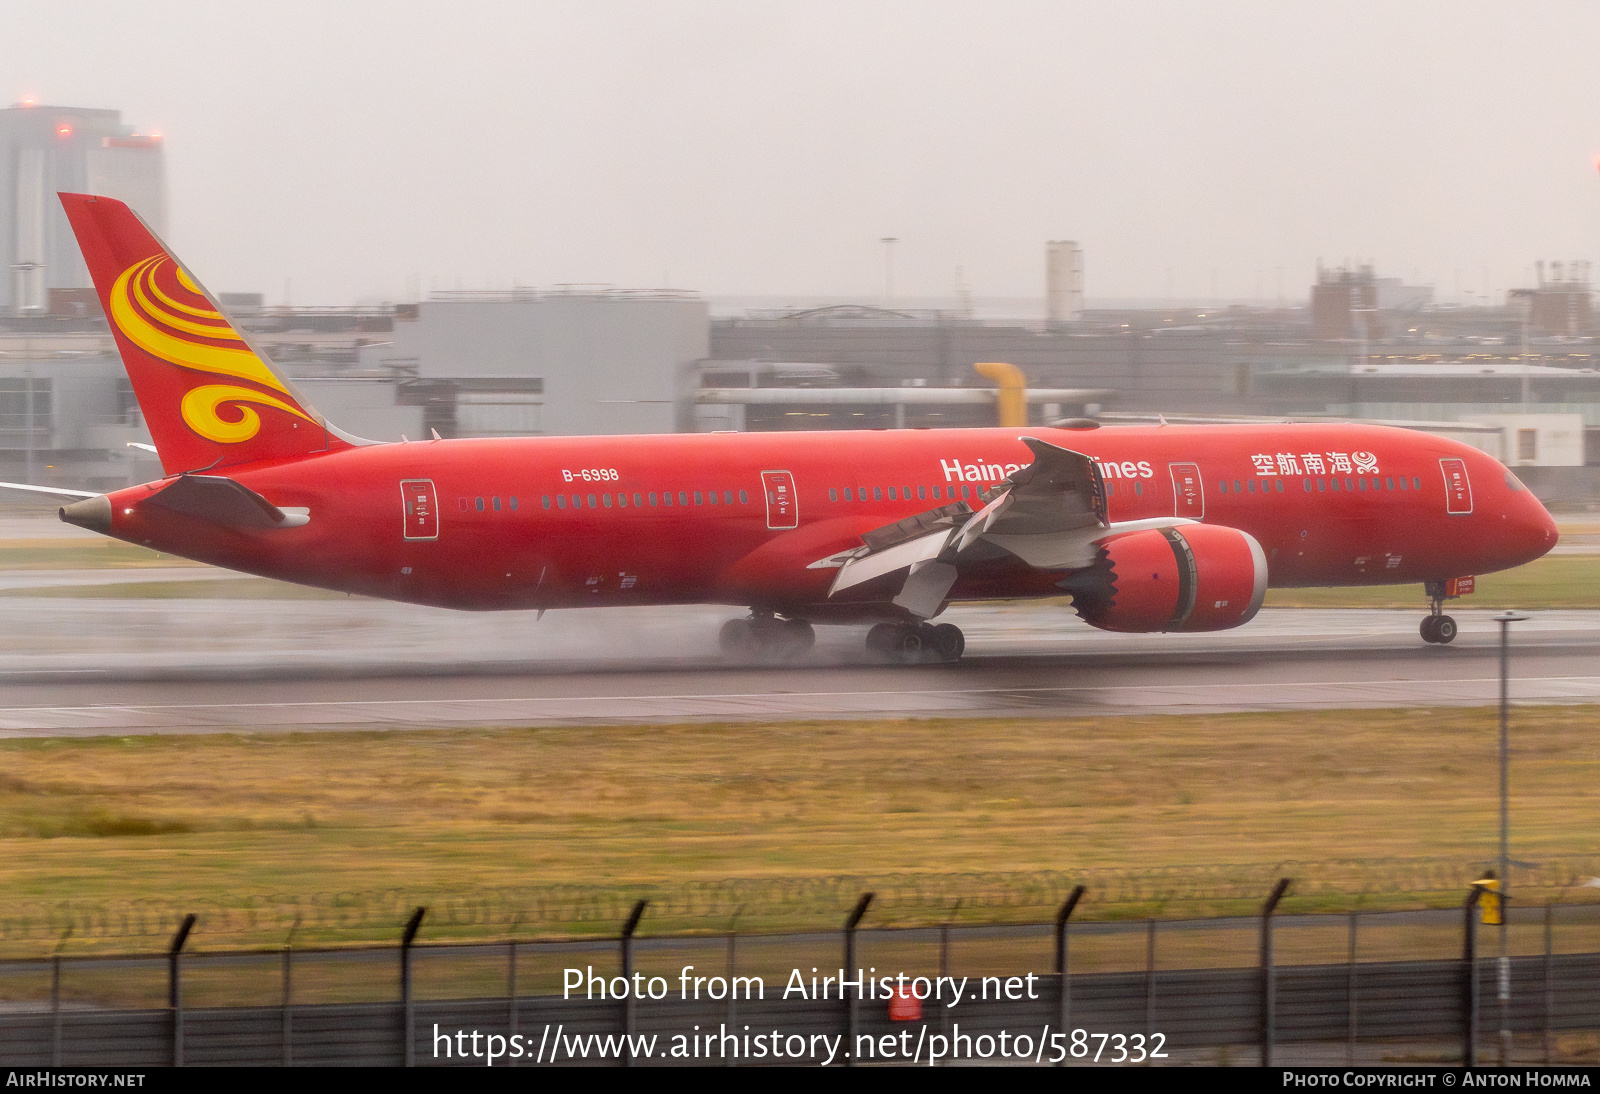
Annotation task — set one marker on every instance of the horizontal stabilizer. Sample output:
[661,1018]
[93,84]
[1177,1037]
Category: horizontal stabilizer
[51,490]
[221,500]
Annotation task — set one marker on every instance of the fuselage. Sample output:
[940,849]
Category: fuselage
[742,518]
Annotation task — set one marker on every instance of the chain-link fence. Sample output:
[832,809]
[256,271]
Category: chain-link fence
[1362,987]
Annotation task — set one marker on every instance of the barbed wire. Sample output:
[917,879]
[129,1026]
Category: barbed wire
[900,894]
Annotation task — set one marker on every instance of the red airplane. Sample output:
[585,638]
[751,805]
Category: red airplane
[1146,528]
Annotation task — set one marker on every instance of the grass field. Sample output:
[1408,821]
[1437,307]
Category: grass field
[217,819]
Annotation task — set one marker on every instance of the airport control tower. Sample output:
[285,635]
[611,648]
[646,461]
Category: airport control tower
[44,149]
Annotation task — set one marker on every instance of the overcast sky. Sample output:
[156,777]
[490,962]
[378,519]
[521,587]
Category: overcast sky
[764,148]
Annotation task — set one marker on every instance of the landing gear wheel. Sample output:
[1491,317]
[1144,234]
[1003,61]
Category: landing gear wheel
[737,638]
[765,638]
[945,640]
[795,639]
[1430,629]
[883,638]
[1444,630]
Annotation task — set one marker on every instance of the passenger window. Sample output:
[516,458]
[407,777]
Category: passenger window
[513,504]
[497,503]
[892,495]
[1307,484]
[1111,488]
[592,504]
[1322,486]
[1238,487]
[1363,485]
[1279,484]
[1333,484]
[1138,488]
[479,503]
[1347,485]
[937,493]
[683,497]
[877,493]
[1222,487]
[607,499]
[713,496]
[666,497]
[907,491]
[638,501]
[699,498]
[744,498]
[1416,483]
[622,500]
[561,501]
[1402,482]
[922,493]
[546,500]
[833,495]
[1251,486]
[463,504]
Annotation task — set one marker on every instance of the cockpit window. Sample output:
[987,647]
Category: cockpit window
[1514,483]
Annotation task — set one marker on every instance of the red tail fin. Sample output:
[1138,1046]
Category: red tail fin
[208,398]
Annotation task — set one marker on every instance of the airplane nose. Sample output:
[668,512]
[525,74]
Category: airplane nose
[1532,531]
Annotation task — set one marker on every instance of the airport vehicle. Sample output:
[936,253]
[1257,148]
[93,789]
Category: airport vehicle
[1146,528]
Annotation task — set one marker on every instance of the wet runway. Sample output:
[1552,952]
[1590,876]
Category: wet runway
[93,667]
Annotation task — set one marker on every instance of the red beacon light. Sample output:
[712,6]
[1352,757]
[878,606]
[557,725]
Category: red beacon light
[64,129]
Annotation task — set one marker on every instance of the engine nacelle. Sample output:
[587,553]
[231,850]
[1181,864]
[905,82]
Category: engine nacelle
[1195,577]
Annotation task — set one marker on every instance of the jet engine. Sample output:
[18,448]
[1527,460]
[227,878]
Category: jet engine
[1195,577]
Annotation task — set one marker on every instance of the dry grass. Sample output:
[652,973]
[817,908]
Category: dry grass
[214,817]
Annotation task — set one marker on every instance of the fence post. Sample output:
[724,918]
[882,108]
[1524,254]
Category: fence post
[1549,982]
[1352,999]
[1469,954]
[511,984]
[852,1010]
[408,936]
[628,1000]
[55,1009]
[1269,982]
[1063,972]
[175,987]
[288,994]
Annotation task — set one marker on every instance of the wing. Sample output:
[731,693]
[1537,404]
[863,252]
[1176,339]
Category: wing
[1050,514]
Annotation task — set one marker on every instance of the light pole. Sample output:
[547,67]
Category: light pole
[1505,619]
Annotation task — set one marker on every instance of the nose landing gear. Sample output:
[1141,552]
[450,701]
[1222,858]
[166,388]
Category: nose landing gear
[1437,628]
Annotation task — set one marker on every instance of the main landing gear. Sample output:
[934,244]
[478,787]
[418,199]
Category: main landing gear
[912,643]
[1437,628]
[766,638]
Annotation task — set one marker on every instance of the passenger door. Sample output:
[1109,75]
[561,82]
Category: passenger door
[421,506]
[783,510]
[1188,493]
[1457,487]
